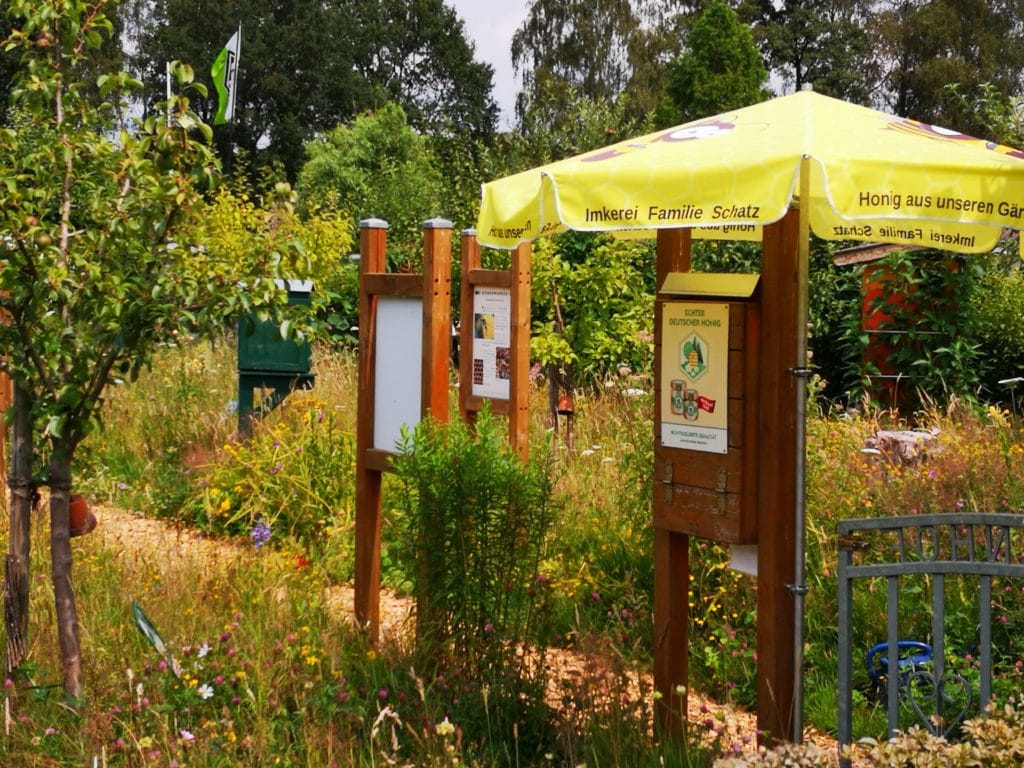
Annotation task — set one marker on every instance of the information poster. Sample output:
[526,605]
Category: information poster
[694,376]
[492,342]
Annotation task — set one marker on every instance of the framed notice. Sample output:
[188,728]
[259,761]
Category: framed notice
[398,372]
[492,342]
[694,376]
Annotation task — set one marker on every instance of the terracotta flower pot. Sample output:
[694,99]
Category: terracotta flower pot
[80,517]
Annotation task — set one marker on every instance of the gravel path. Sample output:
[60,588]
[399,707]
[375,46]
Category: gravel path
[119,529]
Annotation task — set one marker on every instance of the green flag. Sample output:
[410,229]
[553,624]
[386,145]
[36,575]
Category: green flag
[225,76]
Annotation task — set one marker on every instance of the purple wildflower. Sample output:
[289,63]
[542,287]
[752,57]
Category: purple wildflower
[260,534]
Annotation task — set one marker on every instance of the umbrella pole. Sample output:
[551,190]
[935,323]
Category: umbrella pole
[801,372]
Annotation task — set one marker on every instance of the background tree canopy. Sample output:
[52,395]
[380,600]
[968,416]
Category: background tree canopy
[383,109]
[721,70]
[307,66]
[823,44]
[381,167]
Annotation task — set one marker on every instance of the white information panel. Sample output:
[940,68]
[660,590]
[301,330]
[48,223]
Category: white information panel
[398,369]
[492,340]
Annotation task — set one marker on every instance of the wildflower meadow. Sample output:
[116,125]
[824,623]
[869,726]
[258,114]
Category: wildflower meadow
[258,663]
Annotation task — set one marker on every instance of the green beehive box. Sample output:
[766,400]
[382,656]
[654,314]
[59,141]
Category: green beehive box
[260,346]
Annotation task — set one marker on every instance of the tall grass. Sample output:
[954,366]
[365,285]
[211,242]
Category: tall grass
[270,676]
[155,429]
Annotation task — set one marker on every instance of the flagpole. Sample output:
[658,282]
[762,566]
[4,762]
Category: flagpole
[234,99]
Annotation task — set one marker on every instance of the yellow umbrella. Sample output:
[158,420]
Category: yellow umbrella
[870,176]
[859,174]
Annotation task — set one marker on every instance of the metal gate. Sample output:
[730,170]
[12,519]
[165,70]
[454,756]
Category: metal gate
[983,545]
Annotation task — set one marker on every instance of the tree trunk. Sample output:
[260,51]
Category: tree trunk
[60,554]
[561,385]
[22,502]
[551,370]
[569,388]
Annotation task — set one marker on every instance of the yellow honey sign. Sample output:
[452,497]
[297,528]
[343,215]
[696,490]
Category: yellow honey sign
[695,376]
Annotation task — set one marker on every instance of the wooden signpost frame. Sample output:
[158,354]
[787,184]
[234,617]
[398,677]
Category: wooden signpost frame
[777,428]
[776,501]
[433,286]
[517,280]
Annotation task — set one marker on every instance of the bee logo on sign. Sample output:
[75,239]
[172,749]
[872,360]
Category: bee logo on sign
[693,357]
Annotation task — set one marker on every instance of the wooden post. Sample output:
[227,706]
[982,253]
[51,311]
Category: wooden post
[777,480]
[519,385]
[470,248]
[671,550]
[437,302]
[372,259]
[673,253]
[437,316]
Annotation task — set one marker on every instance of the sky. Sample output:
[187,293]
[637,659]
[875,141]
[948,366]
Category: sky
[490,25]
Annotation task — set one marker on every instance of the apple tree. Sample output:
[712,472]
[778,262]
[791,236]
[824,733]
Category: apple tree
[96,263]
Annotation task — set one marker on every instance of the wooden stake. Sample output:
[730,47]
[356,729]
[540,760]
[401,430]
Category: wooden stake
[470,262]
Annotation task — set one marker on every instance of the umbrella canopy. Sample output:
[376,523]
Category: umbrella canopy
[871,177]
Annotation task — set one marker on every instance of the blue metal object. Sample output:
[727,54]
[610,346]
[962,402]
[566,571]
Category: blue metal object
[911,656]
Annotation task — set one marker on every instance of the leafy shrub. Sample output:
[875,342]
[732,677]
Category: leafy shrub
[993,740]
[474,527]
[290,483]
[234,223]
[920,335]
[376,167]
[834,297]
[807,755]
[996,310]
[593,305]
